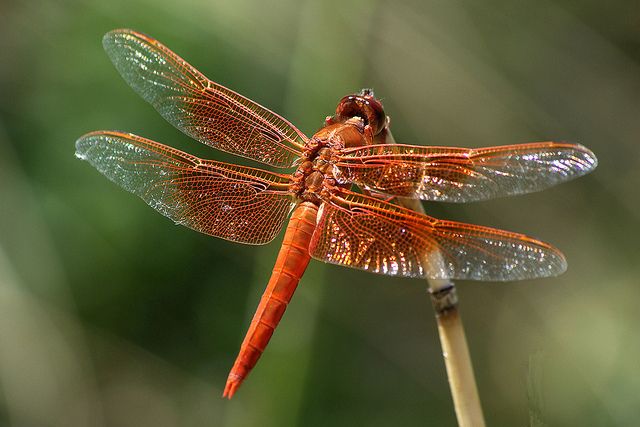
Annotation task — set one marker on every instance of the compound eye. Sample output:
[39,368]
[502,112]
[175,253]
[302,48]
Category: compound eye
[363,105]
[377,116]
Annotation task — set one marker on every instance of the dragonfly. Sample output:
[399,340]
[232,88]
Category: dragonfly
[341,193]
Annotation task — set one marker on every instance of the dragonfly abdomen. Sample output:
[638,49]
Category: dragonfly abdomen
[291,263]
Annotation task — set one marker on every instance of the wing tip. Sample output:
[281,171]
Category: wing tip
[586,158]
[122,32]
[109,38]
[84,144]
[557,264]
[112,39]
[90,139]
[551,262]
[125,33]
[589,157]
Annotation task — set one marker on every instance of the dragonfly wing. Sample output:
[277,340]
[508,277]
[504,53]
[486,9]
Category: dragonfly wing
[449,174]
[204,110]
[236,203]
[366,233]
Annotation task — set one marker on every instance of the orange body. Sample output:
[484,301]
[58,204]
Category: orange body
[291,263]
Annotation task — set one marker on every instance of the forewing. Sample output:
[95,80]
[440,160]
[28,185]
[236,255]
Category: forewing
[363,232]
[204,110]
[236,203]
[449,174]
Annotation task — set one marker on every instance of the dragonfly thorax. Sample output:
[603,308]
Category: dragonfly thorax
[315,178]
[314,174]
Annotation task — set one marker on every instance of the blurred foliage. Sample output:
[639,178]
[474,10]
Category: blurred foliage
[111,316]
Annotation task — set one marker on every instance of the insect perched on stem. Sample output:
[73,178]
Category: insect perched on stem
[328,220]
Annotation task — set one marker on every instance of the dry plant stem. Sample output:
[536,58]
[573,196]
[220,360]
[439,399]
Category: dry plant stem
[454,346]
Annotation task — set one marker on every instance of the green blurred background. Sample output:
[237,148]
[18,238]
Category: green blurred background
[112,316]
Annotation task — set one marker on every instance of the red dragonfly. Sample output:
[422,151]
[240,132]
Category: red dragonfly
[329,220]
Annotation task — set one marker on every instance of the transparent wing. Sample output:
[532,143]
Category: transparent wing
[363,232]
[236,203]
[460,174]
[204,110]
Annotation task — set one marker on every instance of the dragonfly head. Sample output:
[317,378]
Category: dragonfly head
[364,105]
